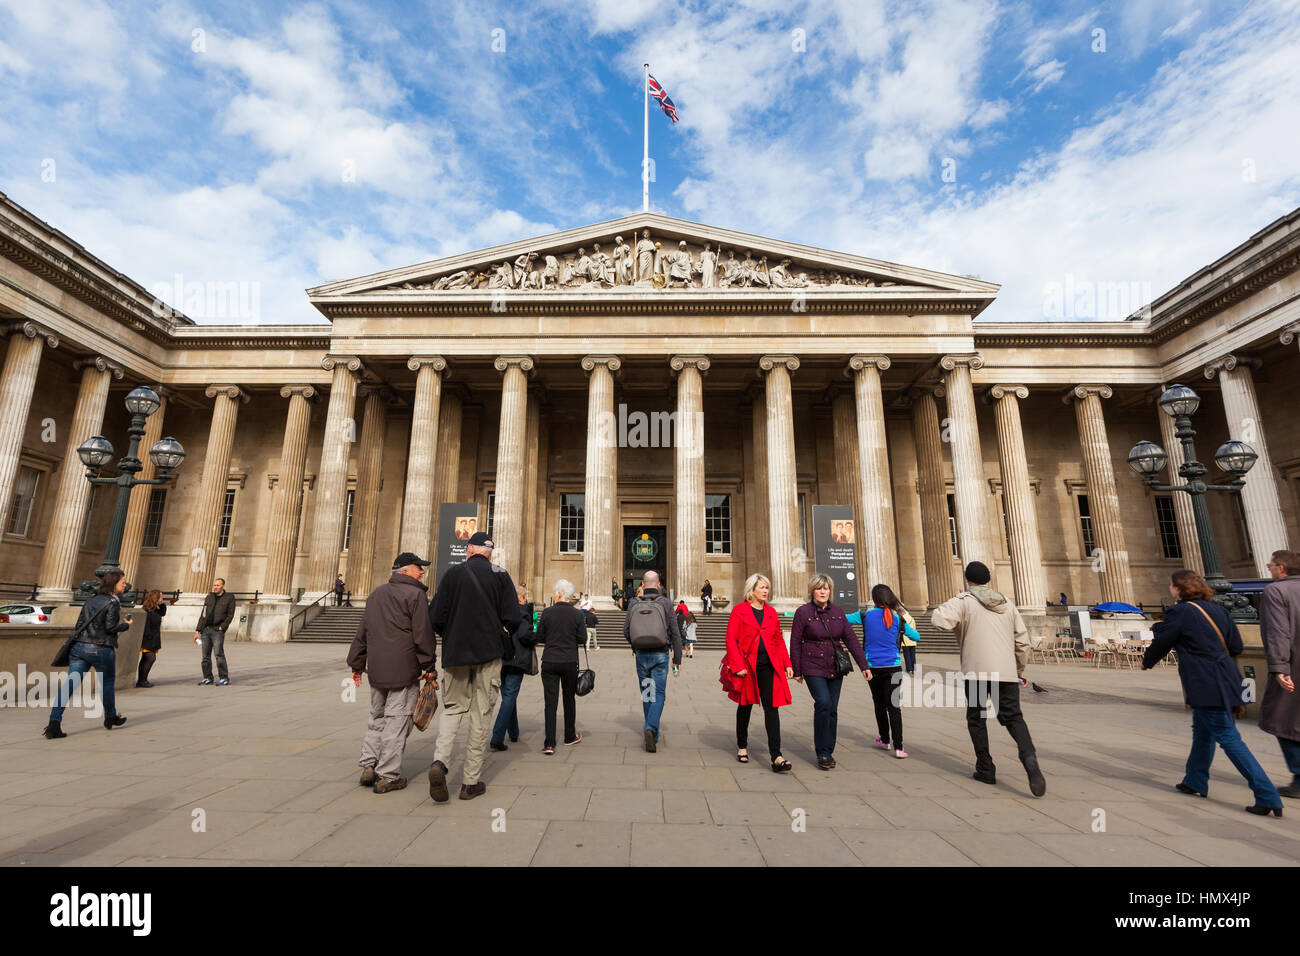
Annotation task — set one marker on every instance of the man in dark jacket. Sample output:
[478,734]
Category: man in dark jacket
[652,664]
[218,614]
[1279,618]
[474,610]
[394,647]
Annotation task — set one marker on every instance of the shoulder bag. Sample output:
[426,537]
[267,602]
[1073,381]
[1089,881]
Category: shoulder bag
[64,657]
[586,677]
[1240,709]
[843,662]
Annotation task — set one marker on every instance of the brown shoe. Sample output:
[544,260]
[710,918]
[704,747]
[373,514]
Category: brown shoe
[468,791]
[438,782]
[384,786]
[368,777]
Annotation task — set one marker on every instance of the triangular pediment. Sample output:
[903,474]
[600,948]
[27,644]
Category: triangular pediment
[648,252]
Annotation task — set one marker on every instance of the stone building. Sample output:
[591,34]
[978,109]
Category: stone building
[693,387]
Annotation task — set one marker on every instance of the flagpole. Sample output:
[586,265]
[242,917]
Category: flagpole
[645,155]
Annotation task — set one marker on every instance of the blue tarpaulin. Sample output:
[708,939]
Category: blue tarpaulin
[1118,607]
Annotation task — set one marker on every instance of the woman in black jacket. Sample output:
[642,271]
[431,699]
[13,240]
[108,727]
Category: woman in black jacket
[97,629]
[513,672]
[563,629]
[1206,640]
[155,610]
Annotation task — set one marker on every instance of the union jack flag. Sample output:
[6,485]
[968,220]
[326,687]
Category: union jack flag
[665,103]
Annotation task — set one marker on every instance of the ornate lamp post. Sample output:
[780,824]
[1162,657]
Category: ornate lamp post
[1234,458]
[95,452]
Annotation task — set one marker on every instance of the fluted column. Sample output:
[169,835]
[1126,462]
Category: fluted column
[756,516]
[940,582]
[688,477]
[419,507]
[17,385]
[1259,497]
[789,563]
[969,490]
[204,532]
[1188,540]
[446,466]
[534,493]
[507,522]
[365,511]
[137,512]
[601,489]
[326,542]
[286,500]
[63,541]
[844,430]
[877,537]
[1112,564]
[1018,499]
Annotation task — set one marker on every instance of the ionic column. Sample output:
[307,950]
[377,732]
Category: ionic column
[932,490]
[1188,540]
[789,564]
[137,512]
[534,523]
[418,506]
[365,511]
[446,466]
[63,542]
[507,522]
[844,430]
[1018,499]
[688,476]
[601,489]
[756,515]
[17,385]
[1259,497]
[876,533]
[204,532]
[286,501]
[970,493]
[326,542]
[1103,497]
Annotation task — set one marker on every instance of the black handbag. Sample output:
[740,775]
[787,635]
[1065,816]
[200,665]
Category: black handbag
[843,662]
[586,678]
[64,657]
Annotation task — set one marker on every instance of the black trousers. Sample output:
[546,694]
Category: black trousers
[554,678]
[889,719]
[771,716]
[1005,695]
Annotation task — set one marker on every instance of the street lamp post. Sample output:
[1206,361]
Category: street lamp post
[96,451]
[1233,457]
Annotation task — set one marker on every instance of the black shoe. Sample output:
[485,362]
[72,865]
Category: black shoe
[825,764]
[143,683]
[497,746]
[117,720]
[1292,791]
[1184,788]
[206,680]
[650,742]
[514,740]
[53,731]
[989,778]
[438,782]
[468,791]
[1264,811]
[1037,785]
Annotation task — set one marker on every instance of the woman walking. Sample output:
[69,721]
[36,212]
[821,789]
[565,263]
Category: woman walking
[513,672]
[151,643]
[881,627]
[96,646]
[688,633]
[758,660]
[1206,639]
[818,625]
[562,631]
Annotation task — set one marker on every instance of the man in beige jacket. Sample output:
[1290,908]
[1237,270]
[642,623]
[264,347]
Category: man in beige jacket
[994,654]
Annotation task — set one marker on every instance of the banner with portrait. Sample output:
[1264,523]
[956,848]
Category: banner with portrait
[835,552]
[457,522]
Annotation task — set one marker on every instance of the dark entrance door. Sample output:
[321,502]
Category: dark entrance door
[645,548]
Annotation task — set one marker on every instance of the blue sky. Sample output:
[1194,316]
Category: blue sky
[289,145]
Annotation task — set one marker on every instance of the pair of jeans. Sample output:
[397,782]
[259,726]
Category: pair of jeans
[1005,697]
[909,658]
[214,643]
[889,717]
[652,678]
[765,675]
[508,714]
[1291,754]
[1211,725]
[555,677]
[81,659]
[826,702]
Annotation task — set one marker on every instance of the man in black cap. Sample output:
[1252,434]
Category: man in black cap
[394,646]
[475,609]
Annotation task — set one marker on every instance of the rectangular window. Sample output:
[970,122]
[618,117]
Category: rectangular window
[227,512]
[717,524]
[1167,526]
[571,523]
[1244,527]
[491,511]
[24,498]
[803,523]
[952,525]
[153,520]
[1085,526]
[347,522]
[85,518]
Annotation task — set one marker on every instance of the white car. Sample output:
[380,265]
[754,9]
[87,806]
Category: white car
[26,613]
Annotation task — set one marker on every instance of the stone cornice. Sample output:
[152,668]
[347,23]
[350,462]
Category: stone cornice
[1229,363]
[233,392]
[665,303]
[1080,392]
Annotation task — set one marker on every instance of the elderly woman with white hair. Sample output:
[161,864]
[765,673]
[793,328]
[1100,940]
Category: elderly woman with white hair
[759,667]
[562,630]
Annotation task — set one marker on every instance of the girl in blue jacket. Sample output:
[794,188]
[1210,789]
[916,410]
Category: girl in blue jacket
[880,636]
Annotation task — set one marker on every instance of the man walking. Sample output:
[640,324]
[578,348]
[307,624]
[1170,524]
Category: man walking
[994,646]
[651,627]
[706,596]
[394,647]
[1279,619]
[210,632]
[339,588]
[475,610]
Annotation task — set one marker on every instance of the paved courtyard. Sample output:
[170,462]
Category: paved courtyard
[264,772]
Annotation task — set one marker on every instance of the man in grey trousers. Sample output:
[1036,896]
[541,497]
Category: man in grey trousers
[210,632]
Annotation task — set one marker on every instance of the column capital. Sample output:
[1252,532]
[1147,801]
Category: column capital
[1290,333]
[859,362]
[351,362]
[524,363]
[700,363]
[998,392]
[1228,363]
[227,391]
[973,360]
[100,364]
[1080,392]
[611,362]
[933,389]
[306,391]
[436,362]
[768,362]
[34,330]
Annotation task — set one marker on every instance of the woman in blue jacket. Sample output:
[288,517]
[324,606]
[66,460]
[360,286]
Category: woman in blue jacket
[880,627]
[1205,637]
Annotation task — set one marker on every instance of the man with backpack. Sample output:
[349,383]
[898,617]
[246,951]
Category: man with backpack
[651,628]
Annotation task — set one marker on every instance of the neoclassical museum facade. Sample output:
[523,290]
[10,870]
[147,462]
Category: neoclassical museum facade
[645,380]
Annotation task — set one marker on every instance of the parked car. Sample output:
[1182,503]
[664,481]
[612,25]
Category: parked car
[26,613]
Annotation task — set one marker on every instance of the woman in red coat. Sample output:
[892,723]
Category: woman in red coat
[759,662]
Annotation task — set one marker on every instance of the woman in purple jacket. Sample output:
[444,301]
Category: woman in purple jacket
[817,626]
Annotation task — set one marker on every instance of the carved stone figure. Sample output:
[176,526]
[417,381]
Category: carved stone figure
[645,257]
[781,278]
[582,271]
[679,264]
[623,262]
[550,273]
[730,269]
[602,267]
[503,276]
[523,264]
[708,267]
